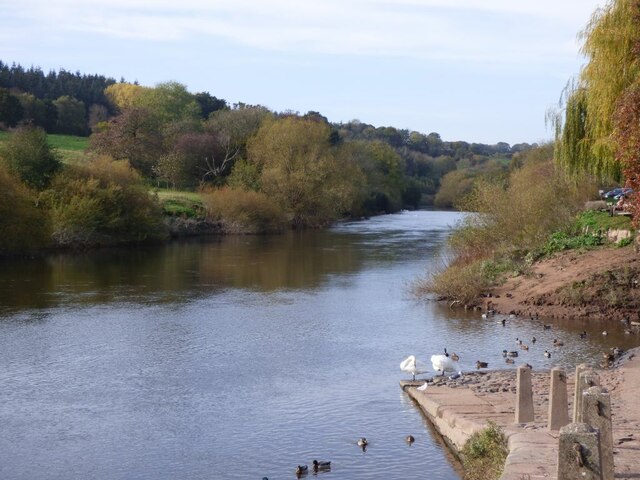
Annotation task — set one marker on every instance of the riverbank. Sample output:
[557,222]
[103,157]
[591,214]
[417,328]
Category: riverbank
[458,408]
[600,284]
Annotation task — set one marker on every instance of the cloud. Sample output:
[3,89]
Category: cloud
[474,30]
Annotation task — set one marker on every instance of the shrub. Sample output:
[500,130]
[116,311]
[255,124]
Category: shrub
[24,227]
[102,202]
[461,283]
[484,454]
[243,211]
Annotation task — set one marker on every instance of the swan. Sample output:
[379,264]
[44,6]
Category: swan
[443,363]
[423,387]
[413,366]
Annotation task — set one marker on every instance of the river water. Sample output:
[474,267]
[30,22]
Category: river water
[240,357]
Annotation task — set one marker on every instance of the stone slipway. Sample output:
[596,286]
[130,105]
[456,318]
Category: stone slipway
[458,408]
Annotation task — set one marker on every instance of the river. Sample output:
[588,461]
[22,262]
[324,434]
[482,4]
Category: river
[239,357]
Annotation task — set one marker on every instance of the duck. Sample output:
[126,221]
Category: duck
[301,469]
[546,327]
[524,347]
[413,366]
[605,333]
[321,465]
[518,341]
[455,357]
[547,354]
[583,334]
[512,353]
[557,343]
[534,340]
[509,360]
[480,364]
[410,439]
[443,363]
[362,442]
[503,322]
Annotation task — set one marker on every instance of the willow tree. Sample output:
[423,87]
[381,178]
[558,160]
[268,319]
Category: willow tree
[586,129]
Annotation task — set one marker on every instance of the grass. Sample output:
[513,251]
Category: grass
[484,454]
[180,203]
[70,147]
[594,221]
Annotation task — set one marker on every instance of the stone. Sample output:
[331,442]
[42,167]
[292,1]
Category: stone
[577,395]
[587,379]
[596,412]
[579,453]
[558,404]
[524,395]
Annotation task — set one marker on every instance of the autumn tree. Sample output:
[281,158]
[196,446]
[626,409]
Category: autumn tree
[169,101]
[300,170]
[123,95]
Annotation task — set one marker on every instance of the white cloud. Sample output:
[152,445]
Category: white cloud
[475,30]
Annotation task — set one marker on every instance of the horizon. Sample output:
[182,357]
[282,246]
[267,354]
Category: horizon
[474,71]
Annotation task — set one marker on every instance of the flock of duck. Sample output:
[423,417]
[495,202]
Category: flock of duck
[446,362]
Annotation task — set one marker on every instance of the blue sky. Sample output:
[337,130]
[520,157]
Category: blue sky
[475,70]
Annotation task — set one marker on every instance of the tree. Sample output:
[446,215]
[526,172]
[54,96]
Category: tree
[133,135]
[71,116]
[122,96]
[301,171]
[11,110]
[28,156]
[209,104]
[169,102]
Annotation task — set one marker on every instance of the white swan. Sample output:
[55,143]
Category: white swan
[413,366]
[444,363]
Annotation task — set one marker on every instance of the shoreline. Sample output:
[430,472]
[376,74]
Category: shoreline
[458,408]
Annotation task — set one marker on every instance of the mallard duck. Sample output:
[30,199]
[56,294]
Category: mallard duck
[557,343]
[321,465]
[362,443]
[546,327]
[512,353]
[301,469]
[583,334]
[524,347]
[410,439]
[480,364]
[534,340]
[547,354]
[509,360]
[455,357]
[605,333]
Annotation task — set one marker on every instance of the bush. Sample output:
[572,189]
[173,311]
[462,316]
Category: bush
[24,227]
[461,283]
[484,454]
[103,202]
[243,211]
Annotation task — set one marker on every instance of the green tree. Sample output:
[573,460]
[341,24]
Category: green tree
[11,111]
[28,156]
[169,102]
[72,117]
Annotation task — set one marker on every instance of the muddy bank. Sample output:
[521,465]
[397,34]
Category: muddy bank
[602,284]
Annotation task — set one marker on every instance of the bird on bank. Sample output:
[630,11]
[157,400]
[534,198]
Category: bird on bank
[480,364]
[413,366]
[443,363]
[547,354]
[321,465]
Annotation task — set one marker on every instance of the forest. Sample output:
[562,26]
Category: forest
[250,169]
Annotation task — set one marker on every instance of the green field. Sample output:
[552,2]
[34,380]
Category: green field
[69,147]
[180,202]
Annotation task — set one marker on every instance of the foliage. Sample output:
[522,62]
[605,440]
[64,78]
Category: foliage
[180,203]
[102,202]
[11,110]
[244,211]
[122,96]
[460,283]
[24,227]
[135,136]
[454,187]
[595,221]
[300,171]
[562,241]
[27,155]
[168,101]
[484,454]
[71,117]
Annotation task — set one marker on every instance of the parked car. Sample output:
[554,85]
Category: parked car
[617,193]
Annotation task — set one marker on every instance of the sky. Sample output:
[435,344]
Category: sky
[475,70]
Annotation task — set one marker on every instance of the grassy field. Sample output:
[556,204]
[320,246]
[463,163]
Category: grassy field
[180,202]
[69,147]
